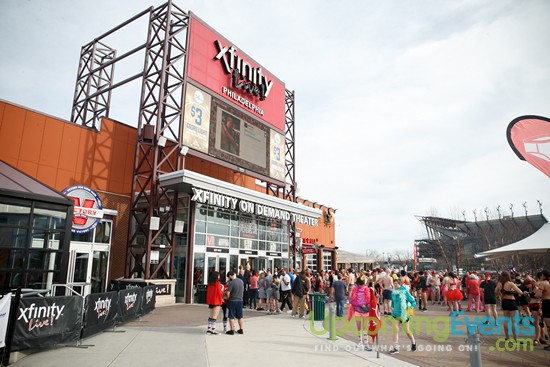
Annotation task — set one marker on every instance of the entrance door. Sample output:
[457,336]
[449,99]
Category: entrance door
[252,261]
[78,277]
[88,265]
[217,263]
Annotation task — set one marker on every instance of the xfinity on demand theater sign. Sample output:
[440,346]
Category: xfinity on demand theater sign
[248,207]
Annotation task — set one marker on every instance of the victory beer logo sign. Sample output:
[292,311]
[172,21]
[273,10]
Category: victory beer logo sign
[87,208]
[40,317]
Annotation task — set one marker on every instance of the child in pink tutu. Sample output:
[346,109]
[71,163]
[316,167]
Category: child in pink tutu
[454,294]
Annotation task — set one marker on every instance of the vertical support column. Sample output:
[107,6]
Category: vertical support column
[159,142]
[290,173]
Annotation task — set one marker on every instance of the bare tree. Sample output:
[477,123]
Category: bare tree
[373,254]
[401,257]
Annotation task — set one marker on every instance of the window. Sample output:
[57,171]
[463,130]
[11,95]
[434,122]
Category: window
[13,237]
[100,234]
[32,238]
[103,232]
[327,261]
[47,240]
[11,259]
[311,261]
[239,230]
[14,215]
[45,218]
[44,260]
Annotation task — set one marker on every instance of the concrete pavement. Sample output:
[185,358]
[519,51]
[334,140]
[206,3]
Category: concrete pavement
[161,339]
[176,335]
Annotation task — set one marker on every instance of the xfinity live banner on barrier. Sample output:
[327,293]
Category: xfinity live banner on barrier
[47,321]
[5,303]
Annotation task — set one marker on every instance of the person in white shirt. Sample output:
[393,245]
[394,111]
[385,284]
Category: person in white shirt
[285,290]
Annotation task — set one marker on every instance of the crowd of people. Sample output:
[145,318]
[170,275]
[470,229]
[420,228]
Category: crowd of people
[397,293]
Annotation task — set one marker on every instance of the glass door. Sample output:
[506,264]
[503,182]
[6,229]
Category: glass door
[100,264]
[88,268]
[79,275]
[262,264]
[217,263]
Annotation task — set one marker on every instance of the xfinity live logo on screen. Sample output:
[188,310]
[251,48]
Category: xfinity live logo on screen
[441,328]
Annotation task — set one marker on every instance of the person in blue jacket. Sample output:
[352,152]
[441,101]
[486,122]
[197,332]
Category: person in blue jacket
[402,302]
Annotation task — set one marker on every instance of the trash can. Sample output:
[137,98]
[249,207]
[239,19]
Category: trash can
[201,293]
[318,305]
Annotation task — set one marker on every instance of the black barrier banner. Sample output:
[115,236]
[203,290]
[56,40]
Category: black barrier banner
[162,289]
[117,285]
[100,313]
[149,299]
[47,321]
[129,301]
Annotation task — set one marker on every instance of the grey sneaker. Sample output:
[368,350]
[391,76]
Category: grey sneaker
[394,350]
[367,348]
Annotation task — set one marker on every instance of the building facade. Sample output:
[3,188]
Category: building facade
[53,154]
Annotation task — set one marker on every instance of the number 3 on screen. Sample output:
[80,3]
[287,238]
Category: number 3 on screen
[277,153]
[195,111]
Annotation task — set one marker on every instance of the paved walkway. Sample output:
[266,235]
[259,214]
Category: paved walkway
[175,335]
[161,339]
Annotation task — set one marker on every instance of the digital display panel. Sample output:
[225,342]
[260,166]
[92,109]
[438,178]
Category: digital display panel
[221,130]
[196,125]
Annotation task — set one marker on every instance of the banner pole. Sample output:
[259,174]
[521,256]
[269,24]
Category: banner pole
[377,346]
[11,327]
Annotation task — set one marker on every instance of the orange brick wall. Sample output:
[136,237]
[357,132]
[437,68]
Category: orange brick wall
[120,203]
[61,154]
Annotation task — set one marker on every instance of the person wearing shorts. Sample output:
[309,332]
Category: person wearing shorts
[235,303]
[386,281]
[401,298]
[544,291]
[488,287]
[360,299]
[508,290]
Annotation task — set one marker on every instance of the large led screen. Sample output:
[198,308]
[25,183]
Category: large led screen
[221,130]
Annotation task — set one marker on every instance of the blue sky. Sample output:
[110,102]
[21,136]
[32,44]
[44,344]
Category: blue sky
[401,106]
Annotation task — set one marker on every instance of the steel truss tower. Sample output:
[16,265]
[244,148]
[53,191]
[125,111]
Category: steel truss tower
[289,190]
[159,132]
[158,145]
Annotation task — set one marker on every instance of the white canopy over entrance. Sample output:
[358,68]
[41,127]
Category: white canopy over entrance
[538,242]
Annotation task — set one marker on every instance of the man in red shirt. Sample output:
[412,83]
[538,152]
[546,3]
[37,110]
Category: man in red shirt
[472,285]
